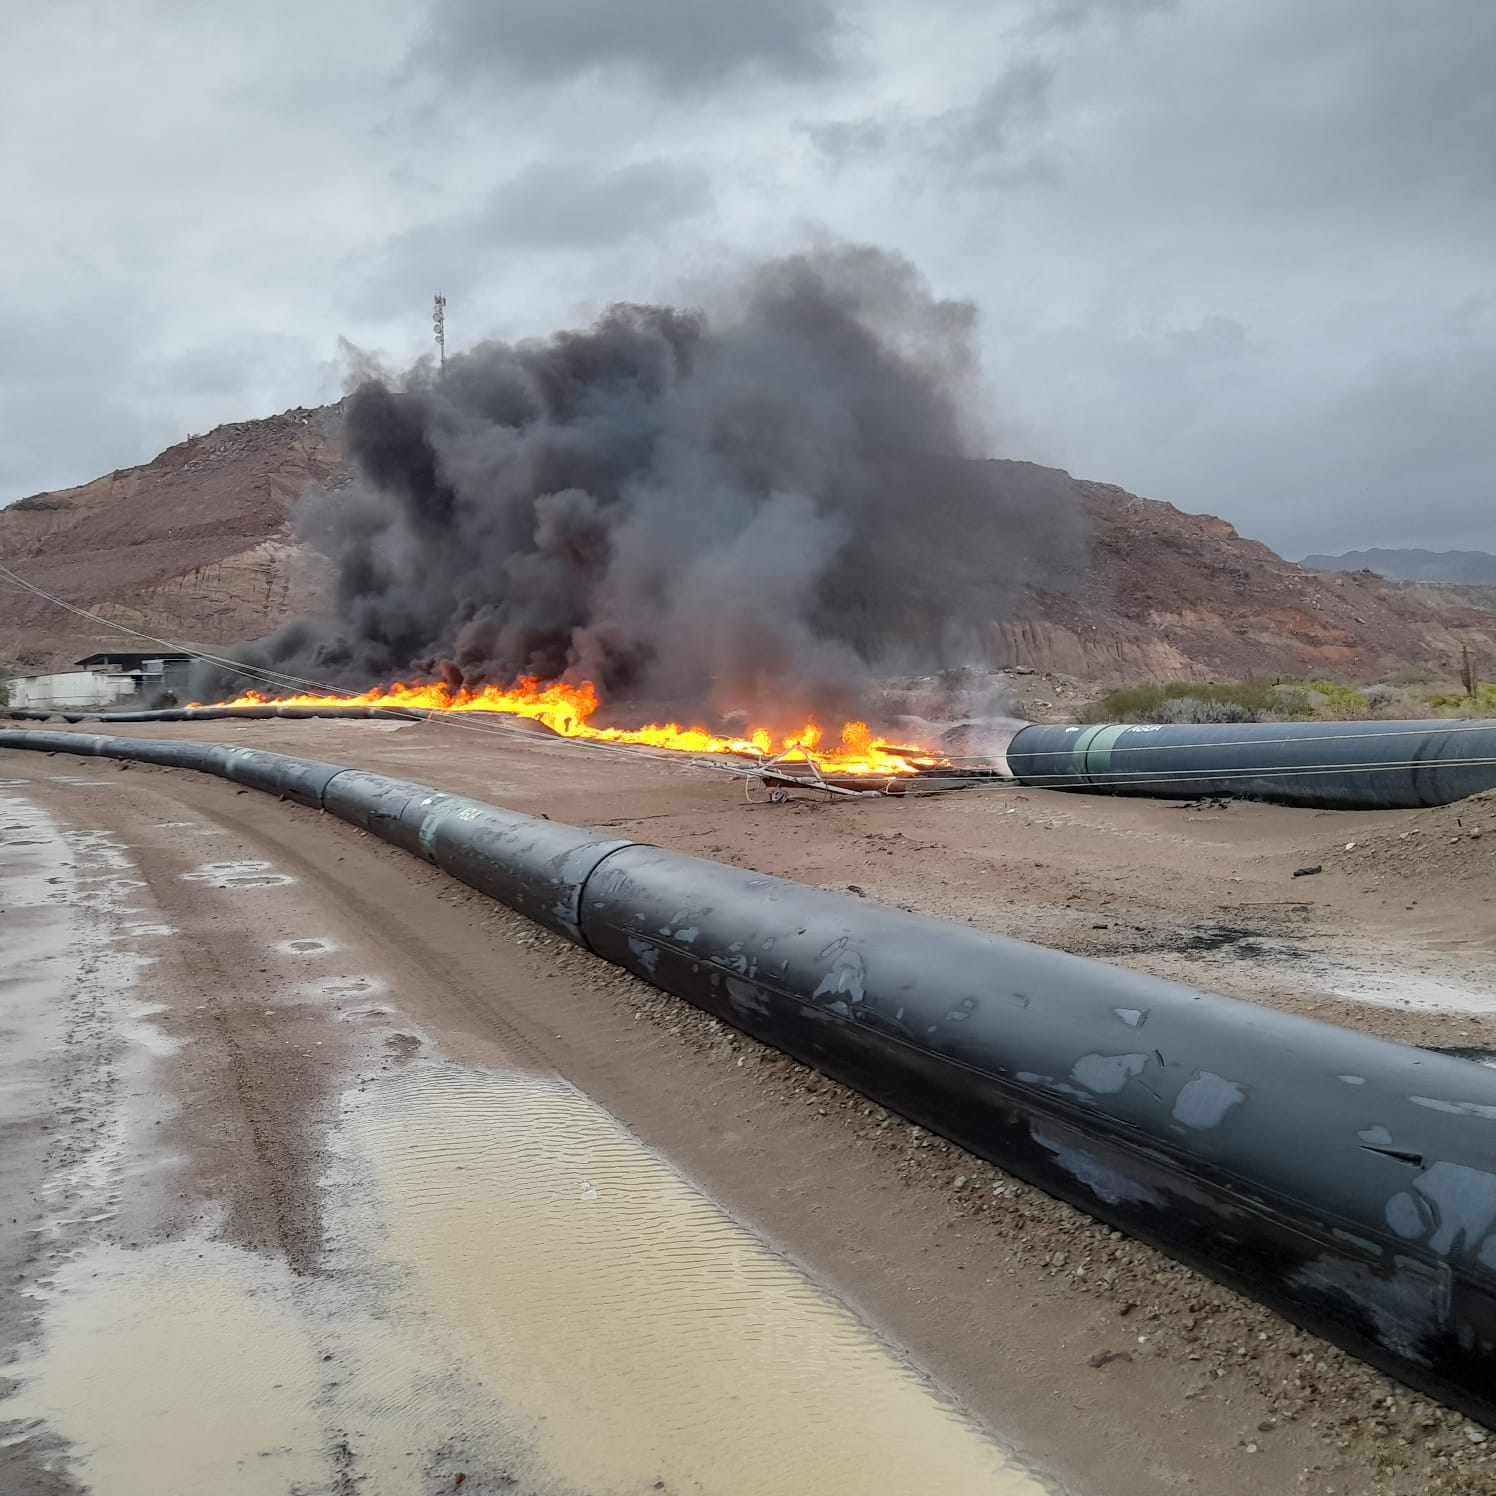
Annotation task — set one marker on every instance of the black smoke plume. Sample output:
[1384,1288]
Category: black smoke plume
[756,507]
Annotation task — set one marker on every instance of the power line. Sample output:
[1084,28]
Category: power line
[238,667]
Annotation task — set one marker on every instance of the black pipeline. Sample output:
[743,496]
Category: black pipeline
[1337,765]
[257,712]
[1347,1181]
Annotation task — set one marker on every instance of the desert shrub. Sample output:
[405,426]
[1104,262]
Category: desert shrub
[1335,700]
[1192,709]
[1235,701]
[1144,703]
[1296,703]
[1389,698]
[1482,704]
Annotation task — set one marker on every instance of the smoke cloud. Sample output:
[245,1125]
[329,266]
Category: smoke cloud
[755,507]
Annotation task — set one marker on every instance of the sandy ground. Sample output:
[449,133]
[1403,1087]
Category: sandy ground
[323,1168]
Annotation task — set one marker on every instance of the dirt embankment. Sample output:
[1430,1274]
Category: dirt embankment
[1434,854]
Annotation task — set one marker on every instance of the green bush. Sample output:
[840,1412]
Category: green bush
[1336,700]
[1191,710]
[1483,703]
[1144,703]
[1231,701]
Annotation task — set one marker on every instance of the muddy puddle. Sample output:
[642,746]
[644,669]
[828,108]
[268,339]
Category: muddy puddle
[181,1367]
[634,1332]
[513,1290]
[244,873]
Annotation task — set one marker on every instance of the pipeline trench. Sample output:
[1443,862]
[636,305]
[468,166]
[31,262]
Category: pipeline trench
[430,1003]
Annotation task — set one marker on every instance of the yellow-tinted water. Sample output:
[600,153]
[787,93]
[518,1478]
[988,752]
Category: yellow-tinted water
[639,1332]
[183,1368]
[514,1289]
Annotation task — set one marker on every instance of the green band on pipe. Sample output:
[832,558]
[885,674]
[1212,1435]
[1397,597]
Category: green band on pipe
[1092,750]
[1099,749]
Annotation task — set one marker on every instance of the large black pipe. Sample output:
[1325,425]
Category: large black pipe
[263,712]
[535,866]
[1337,765]
[1347,1181]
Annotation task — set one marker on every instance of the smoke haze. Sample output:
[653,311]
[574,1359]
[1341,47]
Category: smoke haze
[753,507]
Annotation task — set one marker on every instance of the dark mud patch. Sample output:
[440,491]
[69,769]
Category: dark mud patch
[1227,942]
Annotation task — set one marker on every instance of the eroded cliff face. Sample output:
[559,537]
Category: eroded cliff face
[195,545]
[1175,595]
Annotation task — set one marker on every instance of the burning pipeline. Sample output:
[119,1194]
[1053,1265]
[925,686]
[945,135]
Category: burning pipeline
[568,709]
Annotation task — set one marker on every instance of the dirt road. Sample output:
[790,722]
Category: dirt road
[330,1176]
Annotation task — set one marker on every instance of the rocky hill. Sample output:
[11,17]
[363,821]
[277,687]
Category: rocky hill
[1184,596]
[196,546]
[1457,595]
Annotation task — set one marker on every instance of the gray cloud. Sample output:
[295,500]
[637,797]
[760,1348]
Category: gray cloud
[688,45]
[1236,256]
[550,207]
[993,135]
[85,387]
[1405,452]
[849,141]
[574,205]
[992,140]
[1071,15]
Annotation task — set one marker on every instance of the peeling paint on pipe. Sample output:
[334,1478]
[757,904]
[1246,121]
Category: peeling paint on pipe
[379,805]
[1334,765]
[1346,1181]
[1232,1136]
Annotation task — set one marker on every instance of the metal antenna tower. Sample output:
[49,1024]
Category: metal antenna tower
[439,326]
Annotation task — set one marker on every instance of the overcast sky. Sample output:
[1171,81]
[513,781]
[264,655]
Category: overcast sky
[1241,256]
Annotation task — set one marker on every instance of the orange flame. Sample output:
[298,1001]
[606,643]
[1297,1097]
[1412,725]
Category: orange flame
[568,709]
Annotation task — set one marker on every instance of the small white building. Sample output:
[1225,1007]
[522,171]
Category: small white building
[110,678]
[81,690]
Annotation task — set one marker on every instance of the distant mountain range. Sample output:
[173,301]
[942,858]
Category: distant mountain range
[1476,567]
